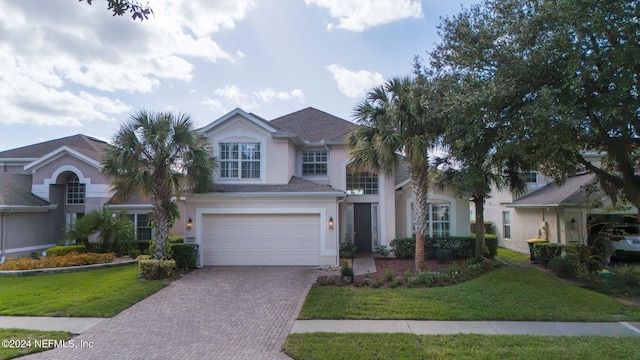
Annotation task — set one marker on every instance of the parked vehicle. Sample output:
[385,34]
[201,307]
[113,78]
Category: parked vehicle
[620,240]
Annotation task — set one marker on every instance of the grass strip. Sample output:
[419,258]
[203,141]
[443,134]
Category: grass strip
[512,293]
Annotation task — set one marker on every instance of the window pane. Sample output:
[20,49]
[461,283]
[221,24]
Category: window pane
[75,190]
[240,160]
[362,183]
[314,162]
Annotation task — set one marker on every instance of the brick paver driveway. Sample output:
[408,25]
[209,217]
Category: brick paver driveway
[212,313]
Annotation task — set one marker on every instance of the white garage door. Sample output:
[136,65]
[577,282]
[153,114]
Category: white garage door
[261,239]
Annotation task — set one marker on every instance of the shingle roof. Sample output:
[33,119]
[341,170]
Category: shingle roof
[295,185]
[15,190]
[571,192]
[84,144]
[314,126]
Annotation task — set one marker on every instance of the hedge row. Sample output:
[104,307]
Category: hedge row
[70,259]
[544,252]
[458,247]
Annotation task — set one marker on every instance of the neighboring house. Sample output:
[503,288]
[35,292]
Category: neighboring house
[286,195]
[44,187]
[565,214]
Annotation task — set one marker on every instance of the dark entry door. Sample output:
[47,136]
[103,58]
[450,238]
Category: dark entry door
[362,227]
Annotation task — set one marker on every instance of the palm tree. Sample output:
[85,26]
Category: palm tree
[393,122]
[158,154]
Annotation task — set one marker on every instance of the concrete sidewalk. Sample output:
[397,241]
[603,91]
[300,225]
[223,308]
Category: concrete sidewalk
[616,329]
[74,325]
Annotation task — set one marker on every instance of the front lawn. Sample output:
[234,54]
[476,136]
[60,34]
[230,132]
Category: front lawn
[333,346]
[512,257]
[26,341]
[512,293]
[90,293]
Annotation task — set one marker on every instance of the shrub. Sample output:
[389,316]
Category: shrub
[185,255]
[488,227]
[348,249]
[64,250]
[544,252]
[568,266]
[443,255]
[175,239]
[156,269]
[134,253]
[404,248]
[388,275]
[71,259]
[460,247]
[383,250]
[346,272]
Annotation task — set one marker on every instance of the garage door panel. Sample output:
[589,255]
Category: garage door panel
[261,239]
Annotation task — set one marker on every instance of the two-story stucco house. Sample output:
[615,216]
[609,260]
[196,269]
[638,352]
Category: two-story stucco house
[46,186]
[286,195]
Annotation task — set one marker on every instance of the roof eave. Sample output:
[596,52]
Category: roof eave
[27,208]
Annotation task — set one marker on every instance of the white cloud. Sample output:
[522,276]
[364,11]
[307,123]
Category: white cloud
[50,49]
[233,95]
[214,105]
[240,54]
[354,84]
[269,94]
[359,15]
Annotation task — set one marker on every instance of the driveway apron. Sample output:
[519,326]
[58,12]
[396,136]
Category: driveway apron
[211,313]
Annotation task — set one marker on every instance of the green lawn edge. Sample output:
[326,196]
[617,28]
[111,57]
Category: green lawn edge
[102,292]
[26,344]
[509,294]
[319,346]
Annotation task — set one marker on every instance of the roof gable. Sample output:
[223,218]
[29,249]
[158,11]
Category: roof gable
[252,118]
[82,144]
[314,126]
[52,156]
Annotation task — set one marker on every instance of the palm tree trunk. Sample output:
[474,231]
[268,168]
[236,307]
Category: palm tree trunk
[161,219]
[420,191]
[479,207]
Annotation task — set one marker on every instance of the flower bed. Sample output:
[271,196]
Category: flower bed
[68,260]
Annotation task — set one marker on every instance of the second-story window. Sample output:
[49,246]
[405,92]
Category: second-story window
[314,162]
[76,191]
[361,183]
[240,160]
[530,176]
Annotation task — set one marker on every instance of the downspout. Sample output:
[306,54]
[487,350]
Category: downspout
[338,229]
[2,238]
[559,240]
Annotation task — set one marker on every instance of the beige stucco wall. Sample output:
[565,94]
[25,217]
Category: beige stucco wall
[274,170]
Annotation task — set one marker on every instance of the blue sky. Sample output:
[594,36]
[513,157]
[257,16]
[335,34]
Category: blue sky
[68,68]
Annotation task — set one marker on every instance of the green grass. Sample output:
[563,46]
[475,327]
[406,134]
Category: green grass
[512,257]
[511,293]
[333,346]
[91,293]
[24,336]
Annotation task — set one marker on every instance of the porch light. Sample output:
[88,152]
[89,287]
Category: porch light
[189,223]
[331,223]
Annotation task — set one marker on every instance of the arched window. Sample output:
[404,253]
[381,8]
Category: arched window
[75,190]
[361,182]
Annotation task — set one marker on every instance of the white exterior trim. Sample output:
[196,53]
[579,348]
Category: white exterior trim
[217,211]
[28,248]
[263,158]
[232,113]
[91,190]
[453,225]
[44,160]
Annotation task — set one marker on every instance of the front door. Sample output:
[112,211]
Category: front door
[362,227]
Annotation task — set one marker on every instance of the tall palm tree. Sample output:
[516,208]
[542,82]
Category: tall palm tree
[393,122]
[158,154]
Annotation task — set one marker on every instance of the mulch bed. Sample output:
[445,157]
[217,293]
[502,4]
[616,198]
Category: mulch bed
[401,268]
